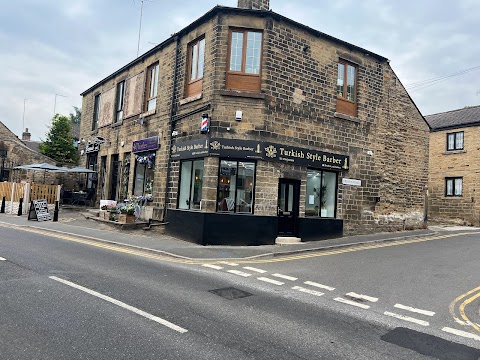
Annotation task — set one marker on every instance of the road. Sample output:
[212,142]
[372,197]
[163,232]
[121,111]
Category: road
[64,298]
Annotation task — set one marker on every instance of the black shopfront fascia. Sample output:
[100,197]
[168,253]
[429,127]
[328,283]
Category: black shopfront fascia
[223,228]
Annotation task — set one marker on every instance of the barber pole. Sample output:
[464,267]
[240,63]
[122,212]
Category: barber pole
[204,125]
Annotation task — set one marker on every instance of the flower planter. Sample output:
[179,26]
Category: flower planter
[104,214]
[126,218]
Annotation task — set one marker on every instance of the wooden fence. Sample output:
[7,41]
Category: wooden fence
[37,192]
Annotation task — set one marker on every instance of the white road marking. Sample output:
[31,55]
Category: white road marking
[211,266]
[461,333]
[286,277]
[308,291]
[231,264]
[353,303]
[122,305]
[419,311]
[407,318]
[275,282]
[2,259]
[319,285]
[364,297]
[254,269]
[239,273]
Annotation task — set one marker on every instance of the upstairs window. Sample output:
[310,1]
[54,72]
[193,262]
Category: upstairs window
[347,88]
[244,58]
[120,101]
[151,87]
[196,61]
[455,141]
[454,186]
[96,112]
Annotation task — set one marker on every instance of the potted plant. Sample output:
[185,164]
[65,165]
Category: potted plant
[127,213]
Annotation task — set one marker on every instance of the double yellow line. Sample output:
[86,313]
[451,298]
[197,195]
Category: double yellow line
[460,303]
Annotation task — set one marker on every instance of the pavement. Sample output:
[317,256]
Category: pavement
[73,222]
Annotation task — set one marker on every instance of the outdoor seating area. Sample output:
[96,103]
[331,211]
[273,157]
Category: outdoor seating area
[85,198]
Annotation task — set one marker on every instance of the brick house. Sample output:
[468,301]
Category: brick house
[246,125]
[454,187]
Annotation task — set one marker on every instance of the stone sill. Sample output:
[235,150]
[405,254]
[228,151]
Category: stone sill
[347,117]
[147,113]
[453,152]
[117,124]
[244,94]
[191,99]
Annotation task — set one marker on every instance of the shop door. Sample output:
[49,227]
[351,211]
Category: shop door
[115,177]
[288,206]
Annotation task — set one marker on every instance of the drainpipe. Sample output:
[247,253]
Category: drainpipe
[170,127]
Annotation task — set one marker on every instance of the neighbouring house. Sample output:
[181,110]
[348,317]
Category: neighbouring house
[14,152]
[246,126]
[454,186]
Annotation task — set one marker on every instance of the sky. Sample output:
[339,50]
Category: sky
[52,50]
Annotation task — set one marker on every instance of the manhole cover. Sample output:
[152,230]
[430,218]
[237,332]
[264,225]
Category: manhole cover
[231,293]
[353,298]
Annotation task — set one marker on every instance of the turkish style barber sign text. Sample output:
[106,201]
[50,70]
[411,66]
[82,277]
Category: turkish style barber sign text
[39,211]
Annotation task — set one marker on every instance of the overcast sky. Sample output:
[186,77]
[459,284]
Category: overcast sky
[63,47]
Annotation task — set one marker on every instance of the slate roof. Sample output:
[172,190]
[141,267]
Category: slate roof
[468,116]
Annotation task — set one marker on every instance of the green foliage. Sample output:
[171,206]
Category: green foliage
[76,116]
[59,142]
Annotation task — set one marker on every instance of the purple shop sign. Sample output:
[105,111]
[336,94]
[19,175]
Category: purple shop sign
[147,144]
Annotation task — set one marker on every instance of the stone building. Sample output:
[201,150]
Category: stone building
[454,185]
[246,125]
[14,152]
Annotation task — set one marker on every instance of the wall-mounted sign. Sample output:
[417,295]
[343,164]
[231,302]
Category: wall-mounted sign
[90,148]
[250,149]
[190,149]
[353,182]
[204,124]
[147,144]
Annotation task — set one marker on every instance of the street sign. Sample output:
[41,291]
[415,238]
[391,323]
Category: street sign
[353,182]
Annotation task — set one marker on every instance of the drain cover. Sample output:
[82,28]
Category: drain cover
[231,293]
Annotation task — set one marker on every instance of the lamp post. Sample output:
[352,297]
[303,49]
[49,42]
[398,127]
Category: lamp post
[55,103]
[23,121]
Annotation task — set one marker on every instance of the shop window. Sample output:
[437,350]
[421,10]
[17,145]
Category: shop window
[455,141]
[236,186]
[347,88]
[120,101]
[321,194]
[196,60]
[191,183]
[144,175]
[92,165]
[454,186]
[96,112]
[151,87]
[244,58]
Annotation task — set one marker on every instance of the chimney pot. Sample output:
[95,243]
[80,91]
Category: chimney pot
[254,4]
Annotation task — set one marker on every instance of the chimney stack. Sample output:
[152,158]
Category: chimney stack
[26,135]
[254,4]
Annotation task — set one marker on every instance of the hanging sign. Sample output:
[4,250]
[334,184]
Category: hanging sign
[204,124]
[39,211]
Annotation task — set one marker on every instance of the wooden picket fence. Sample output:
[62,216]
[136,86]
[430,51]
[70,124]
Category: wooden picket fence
[37,192]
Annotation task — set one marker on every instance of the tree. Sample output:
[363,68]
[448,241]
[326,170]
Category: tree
[59,143]
[76,115]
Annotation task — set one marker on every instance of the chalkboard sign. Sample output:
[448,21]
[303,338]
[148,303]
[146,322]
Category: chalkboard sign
[39,211]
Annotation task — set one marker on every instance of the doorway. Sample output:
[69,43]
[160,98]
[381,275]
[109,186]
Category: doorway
[288,206]
[114,177]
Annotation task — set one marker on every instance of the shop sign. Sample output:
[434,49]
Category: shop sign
[261,150]
[39,211]
[305,157]
[190,149]
[90,148]
[241,149]
[353,182]
[147,144]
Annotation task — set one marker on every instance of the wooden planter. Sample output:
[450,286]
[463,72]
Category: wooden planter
[126,218]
